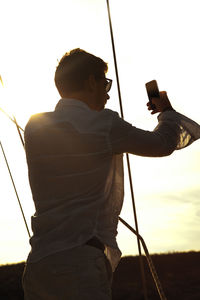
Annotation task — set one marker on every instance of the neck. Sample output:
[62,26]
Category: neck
[81,96]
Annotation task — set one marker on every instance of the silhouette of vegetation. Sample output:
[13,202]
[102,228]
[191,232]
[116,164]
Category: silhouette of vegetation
[10,282]
[179,274]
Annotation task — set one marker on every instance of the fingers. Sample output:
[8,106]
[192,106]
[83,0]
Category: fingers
[153,110]
[164,97]
[160,104]
[163,94]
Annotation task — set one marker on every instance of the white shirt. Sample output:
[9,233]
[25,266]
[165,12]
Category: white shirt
[75,162]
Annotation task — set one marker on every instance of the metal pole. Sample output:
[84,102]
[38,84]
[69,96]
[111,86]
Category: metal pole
[127,156]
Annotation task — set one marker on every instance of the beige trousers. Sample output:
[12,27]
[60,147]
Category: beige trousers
[82,273]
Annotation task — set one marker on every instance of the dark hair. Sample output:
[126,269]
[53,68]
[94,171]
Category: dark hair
[75,67]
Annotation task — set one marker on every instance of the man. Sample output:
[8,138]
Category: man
[75,164]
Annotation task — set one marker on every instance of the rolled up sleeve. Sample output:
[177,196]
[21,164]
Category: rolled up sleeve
[162,141]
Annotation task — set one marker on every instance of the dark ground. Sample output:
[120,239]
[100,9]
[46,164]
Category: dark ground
[179,274]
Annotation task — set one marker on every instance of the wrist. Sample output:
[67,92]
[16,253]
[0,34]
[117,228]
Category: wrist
[168,108]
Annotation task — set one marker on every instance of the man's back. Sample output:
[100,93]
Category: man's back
[71,175]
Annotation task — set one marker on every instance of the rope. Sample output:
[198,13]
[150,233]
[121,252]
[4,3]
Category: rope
[149,260]
[18,129]
[13,120]
[15,189]
[127,157]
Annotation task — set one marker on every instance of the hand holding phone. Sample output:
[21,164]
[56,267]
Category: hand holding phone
[162,103]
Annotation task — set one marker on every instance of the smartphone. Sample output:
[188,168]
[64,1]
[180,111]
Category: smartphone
[152,91]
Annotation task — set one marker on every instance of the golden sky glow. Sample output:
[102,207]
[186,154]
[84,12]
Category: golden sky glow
[154,40]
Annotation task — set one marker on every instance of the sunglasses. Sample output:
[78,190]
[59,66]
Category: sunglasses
[108,84]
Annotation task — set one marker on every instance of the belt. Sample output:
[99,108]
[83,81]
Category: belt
[95,242]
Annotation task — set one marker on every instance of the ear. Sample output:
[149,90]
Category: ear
[92,83]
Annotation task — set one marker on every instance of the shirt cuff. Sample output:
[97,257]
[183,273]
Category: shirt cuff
[189,129]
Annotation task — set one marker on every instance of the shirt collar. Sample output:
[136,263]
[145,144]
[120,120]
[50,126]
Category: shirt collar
[66,102]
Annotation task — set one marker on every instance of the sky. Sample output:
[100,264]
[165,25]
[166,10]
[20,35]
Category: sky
[154,39]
